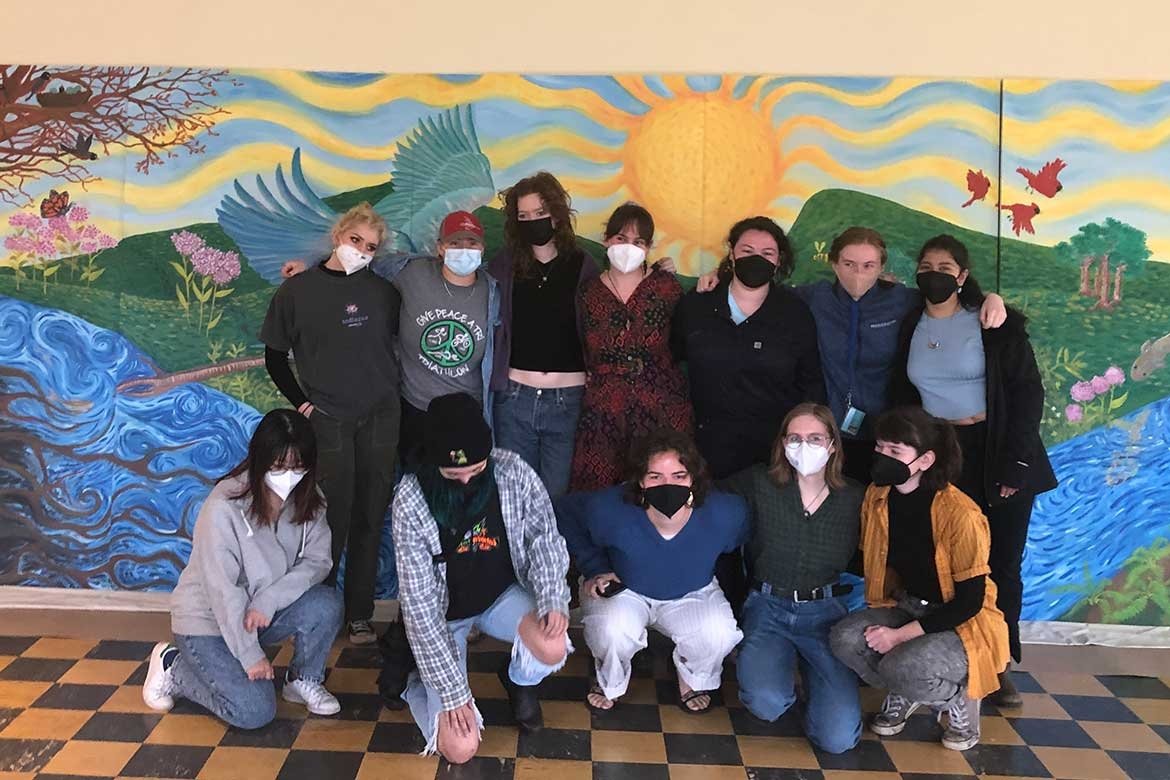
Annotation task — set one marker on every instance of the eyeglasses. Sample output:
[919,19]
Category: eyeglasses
[816,440]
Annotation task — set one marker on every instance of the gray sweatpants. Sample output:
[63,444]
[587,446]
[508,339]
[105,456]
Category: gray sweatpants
[930,669]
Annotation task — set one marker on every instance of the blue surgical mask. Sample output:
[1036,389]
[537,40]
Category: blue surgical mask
[462,261]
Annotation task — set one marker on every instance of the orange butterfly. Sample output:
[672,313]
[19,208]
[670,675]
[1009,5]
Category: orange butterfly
[56,205]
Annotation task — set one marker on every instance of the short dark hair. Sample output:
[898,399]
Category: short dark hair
[971,296]
[857,235]
[913,427]
[281,432]
[631,213]
[785,261]
[643,450]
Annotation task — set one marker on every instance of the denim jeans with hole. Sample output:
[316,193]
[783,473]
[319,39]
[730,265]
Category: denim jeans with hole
[540,425]
[208,674]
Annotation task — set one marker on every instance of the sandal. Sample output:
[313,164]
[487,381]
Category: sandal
[686,698]
[595,690]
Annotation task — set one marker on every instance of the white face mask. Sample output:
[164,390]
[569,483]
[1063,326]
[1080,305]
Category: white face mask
[282,482]
[351,258]
[625,257]
[462,261]
[807,458]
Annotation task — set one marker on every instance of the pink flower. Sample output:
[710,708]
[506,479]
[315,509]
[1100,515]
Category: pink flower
[20,243]
[1074,413]
[1082,391]
[88,247]
[45,249]
[24,220]
[1100,384]
[1114,376]
[106,241]
[78,214]
[60,224]
[186,243]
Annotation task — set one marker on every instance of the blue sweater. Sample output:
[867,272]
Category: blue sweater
[879,315]
[607,534]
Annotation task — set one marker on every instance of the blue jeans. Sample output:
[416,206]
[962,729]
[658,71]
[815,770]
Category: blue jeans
[500,621]
[541,427]
[779,634]
[207,673]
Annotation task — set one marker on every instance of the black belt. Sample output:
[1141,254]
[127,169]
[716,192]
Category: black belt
[799,596]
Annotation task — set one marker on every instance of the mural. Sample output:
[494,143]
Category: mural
[146,213]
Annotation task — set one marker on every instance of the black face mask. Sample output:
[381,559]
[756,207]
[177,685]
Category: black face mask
[887,471]
[536,232]
[754,271]
[937,286]
[667,499]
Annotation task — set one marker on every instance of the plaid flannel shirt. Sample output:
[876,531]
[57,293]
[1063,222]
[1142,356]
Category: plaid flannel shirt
[539,558]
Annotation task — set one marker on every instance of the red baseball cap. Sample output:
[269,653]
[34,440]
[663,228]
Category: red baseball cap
[460,224]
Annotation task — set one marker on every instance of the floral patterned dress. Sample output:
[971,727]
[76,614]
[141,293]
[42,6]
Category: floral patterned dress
[633,385]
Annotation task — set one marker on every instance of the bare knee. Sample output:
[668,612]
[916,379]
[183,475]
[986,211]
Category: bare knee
[457,749]
[549,651]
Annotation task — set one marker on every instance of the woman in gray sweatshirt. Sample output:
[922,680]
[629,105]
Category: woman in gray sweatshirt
[259,554]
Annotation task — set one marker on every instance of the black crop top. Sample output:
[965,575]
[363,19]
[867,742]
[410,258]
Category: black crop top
[544,317]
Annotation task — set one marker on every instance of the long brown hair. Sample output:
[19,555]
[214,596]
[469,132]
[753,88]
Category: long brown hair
[781,470]
[281,433]
[559,206]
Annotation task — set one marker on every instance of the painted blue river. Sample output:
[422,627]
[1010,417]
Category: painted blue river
[100,490]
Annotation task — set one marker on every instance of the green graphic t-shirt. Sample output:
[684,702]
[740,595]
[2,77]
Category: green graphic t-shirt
[442,334]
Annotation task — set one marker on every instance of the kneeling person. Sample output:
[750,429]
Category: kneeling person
[477,547]
[260,552]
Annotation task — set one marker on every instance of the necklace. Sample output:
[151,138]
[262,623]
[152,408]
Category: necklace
[617,291]
[450,294]
[545,271]
[807,511]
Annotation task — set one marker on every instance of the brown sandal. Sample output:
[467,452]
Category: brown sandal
[686,698]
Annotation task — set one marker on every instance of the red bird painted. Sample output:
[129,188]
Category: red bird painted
[1021,216]
[978,185]
[1045,181]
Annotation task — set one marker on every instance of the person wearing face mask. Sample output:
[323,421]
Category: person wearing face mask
[648,550]
[477,546]
[633,384]
[932,635]
[341,323]
[750,347]
[857,317]
[450,308]
[260,552]
[987,384]
[805,525]
[538,371]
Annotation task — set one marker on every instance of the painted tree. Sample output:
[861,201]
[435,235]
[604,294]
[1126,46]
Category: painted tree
[53,120]
[1103,244]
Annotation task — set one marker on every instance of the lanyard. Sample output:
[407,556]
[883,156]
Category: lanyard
[854,337]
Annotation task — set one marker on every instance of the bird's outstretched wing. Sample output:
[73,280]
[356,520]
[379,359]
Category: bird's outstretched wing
[271,231]
[439,169]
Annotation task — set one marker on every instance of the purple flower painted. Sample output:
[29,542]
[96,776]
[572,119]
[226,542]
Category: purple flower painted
[1082,391]
[186,243]
[1074,413]
[1099,384]
[1114,376]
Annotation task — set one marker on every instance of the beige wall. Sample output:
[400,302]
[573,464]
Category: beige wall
[1051,38]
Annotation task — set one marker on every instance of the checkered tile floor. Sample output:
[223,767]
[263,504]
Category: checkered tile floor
[73,708]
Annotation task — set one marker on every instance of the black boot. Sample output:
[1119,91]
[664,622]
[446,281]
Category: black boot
[1007,695]
[525,703]
[397,664]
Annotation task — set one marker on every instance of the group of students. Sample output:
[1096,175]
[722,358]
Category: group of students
[535,416]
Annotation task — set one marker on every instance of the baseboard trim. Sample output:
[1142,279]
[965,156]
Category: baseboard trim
[1031,632]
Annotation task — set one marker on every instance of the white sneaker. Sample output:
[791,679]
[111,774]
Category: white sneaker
[962,731]
[156,691]
[313,695]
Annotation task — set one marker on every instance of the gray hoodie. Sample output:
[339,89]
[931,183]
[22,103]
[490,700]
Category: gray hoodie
[237,565]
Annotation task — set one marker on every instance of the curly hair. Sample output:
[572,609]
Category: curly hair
[361,214]
[559,206]
[786,259]
[645,448]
